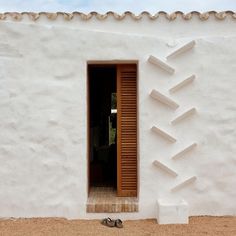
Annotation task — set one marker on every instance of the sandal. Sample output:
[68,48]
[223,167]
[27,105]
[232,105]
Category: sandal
[108,222]
[118,223]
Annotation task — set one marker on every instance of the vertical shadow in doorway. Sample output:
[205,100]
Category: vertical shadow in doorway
[102,126]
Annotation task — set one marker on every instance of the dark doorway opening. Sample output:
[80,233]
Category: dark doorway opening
[102,126]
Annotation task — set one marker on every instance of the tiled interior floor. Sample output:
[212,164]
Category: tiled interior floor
[104,199]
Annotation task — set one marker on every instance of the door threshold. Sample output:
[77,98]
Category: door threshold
[104,199]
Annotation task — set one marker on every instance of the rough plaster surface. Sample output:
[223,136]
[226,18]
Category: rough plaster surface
[43,114]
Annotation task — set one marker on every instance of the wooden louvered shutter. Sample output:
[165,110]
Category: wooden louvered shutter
[127,130]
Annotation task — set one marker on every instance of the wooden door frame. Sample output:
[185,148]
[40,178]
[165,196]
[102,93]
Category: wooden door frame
[107,63]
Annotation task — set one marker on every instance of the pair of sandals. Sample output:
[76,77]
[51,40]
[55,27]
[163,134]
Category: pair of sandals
[112,223]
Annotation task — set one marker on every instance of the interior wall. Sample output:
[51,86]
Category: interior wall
[43,115]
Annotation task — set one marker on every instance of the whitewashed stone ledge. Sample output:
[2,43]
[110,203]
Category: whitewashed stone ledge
[163,134]
[172,212]
[163,99]
[184,183]
[161,64]
[183,116]
[182,84]
[182,49]
[165,168]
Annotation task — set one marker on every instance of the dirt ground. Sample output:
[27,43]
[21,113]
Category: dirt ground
[222,226]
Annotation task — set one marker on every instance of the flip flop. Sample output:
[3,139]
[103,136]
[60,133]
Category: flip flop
[108,222]
[118,223]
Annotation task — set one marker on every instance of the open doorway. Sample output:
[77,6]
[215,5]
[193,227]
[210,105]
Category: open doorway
[112,128]
[102,126]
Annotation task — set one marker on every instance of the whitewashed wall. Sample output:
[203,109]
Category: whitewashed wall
[43,113]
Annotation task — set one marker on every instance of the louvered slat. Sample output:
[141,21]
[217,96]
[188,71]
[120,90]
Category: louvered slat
[127,130]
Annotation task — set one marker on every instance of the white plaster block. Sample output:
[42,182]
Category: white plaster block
[163,99]
[165,168]
[172,212]
[182,49]
[163,134]
[184,183]
[184,151]
[161,64]
[183,116]
[182,84]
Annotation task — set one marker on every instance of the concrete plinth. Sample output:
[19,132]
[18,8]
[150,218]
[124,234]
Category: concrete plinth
[172,212]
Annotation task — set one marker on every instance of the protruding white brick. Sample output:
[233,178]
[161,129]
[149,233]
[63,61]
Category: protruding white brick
[163,99]
[182,84]
[184,151]
[161,64]
[184,183]
[165,168]
[184,115]
[182,49]
[163,134]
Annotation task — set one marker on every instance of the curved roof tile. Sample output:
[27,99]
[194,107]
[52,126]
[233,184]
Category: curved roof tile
[169,16]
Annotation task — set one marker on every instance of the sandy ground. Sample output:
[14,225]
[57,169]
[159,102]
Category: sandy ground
[223,226]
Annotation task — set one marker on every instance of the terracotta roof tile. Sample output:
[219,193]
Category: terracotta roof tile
[169,16]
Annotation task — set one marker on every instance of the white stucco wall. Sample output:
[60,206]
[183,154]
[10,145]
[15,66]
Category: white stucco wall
[43,113]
